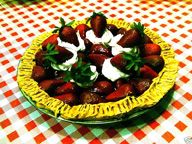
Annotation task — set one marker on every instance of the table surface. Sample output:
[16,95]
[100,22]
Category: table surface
[22,21]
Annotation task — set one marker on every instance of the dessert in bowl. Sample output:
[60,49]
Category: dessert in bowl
[97,69]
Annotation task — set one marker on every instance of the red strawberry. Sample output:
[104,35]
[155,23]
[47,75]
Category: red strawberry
[130,38]
[103,87]
[82,28]
[68,87]
[141,85]
[63,55]
[147,72]
[68,34]
[49,85]
[100,49]
[88,43]
[39,57]
[38,73]
[154,61]
[119,62]
[50,40]
[121,92]
[98,24]
[151,49]
[88,97]
[97,59]
[112,28]
[120,82]
[68,98]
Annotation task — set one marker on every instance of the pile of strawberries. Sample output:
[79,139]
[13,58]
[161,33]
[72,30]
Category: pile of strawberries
[143,63]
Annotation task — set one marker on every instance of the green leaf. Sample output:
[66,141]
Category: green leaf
[70,23]
[55,30]
[54,52]
[62,22]
[51,59]
[50,47]
[134,60]
[82,73]
[68,76]
[138,26]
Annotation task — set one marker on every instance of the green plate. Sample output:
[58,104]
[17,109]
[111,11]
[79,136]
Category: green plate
[152,112]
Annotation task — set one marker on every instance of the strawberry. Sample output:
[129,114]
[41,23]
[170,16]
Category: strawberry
[88,97]
[87,43]
[68,87]
[49,85]
[134,36]
[119,62]
[63,54]
[130,38]
[121,31]
[68,98]
[97,59]
[38,73]
[154,61]
[68,34]
[39,58]
[147,72]
[120,82]
[82,28]
[141,85]
[98,23]
[50,40]
[103,87]
[100,49]
[121,92]
[112,28]
[151,49]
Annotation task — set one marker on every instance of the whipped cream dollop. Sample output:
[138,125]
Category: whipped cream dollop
[106,37]
[111,72]
[115,48]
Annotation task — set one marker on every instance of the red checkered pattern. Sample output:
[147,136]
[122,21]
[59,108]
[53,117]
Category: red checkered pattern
[22,21]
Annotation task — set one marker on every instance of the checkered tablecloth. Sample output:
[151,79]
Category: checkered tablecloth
[22,21]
